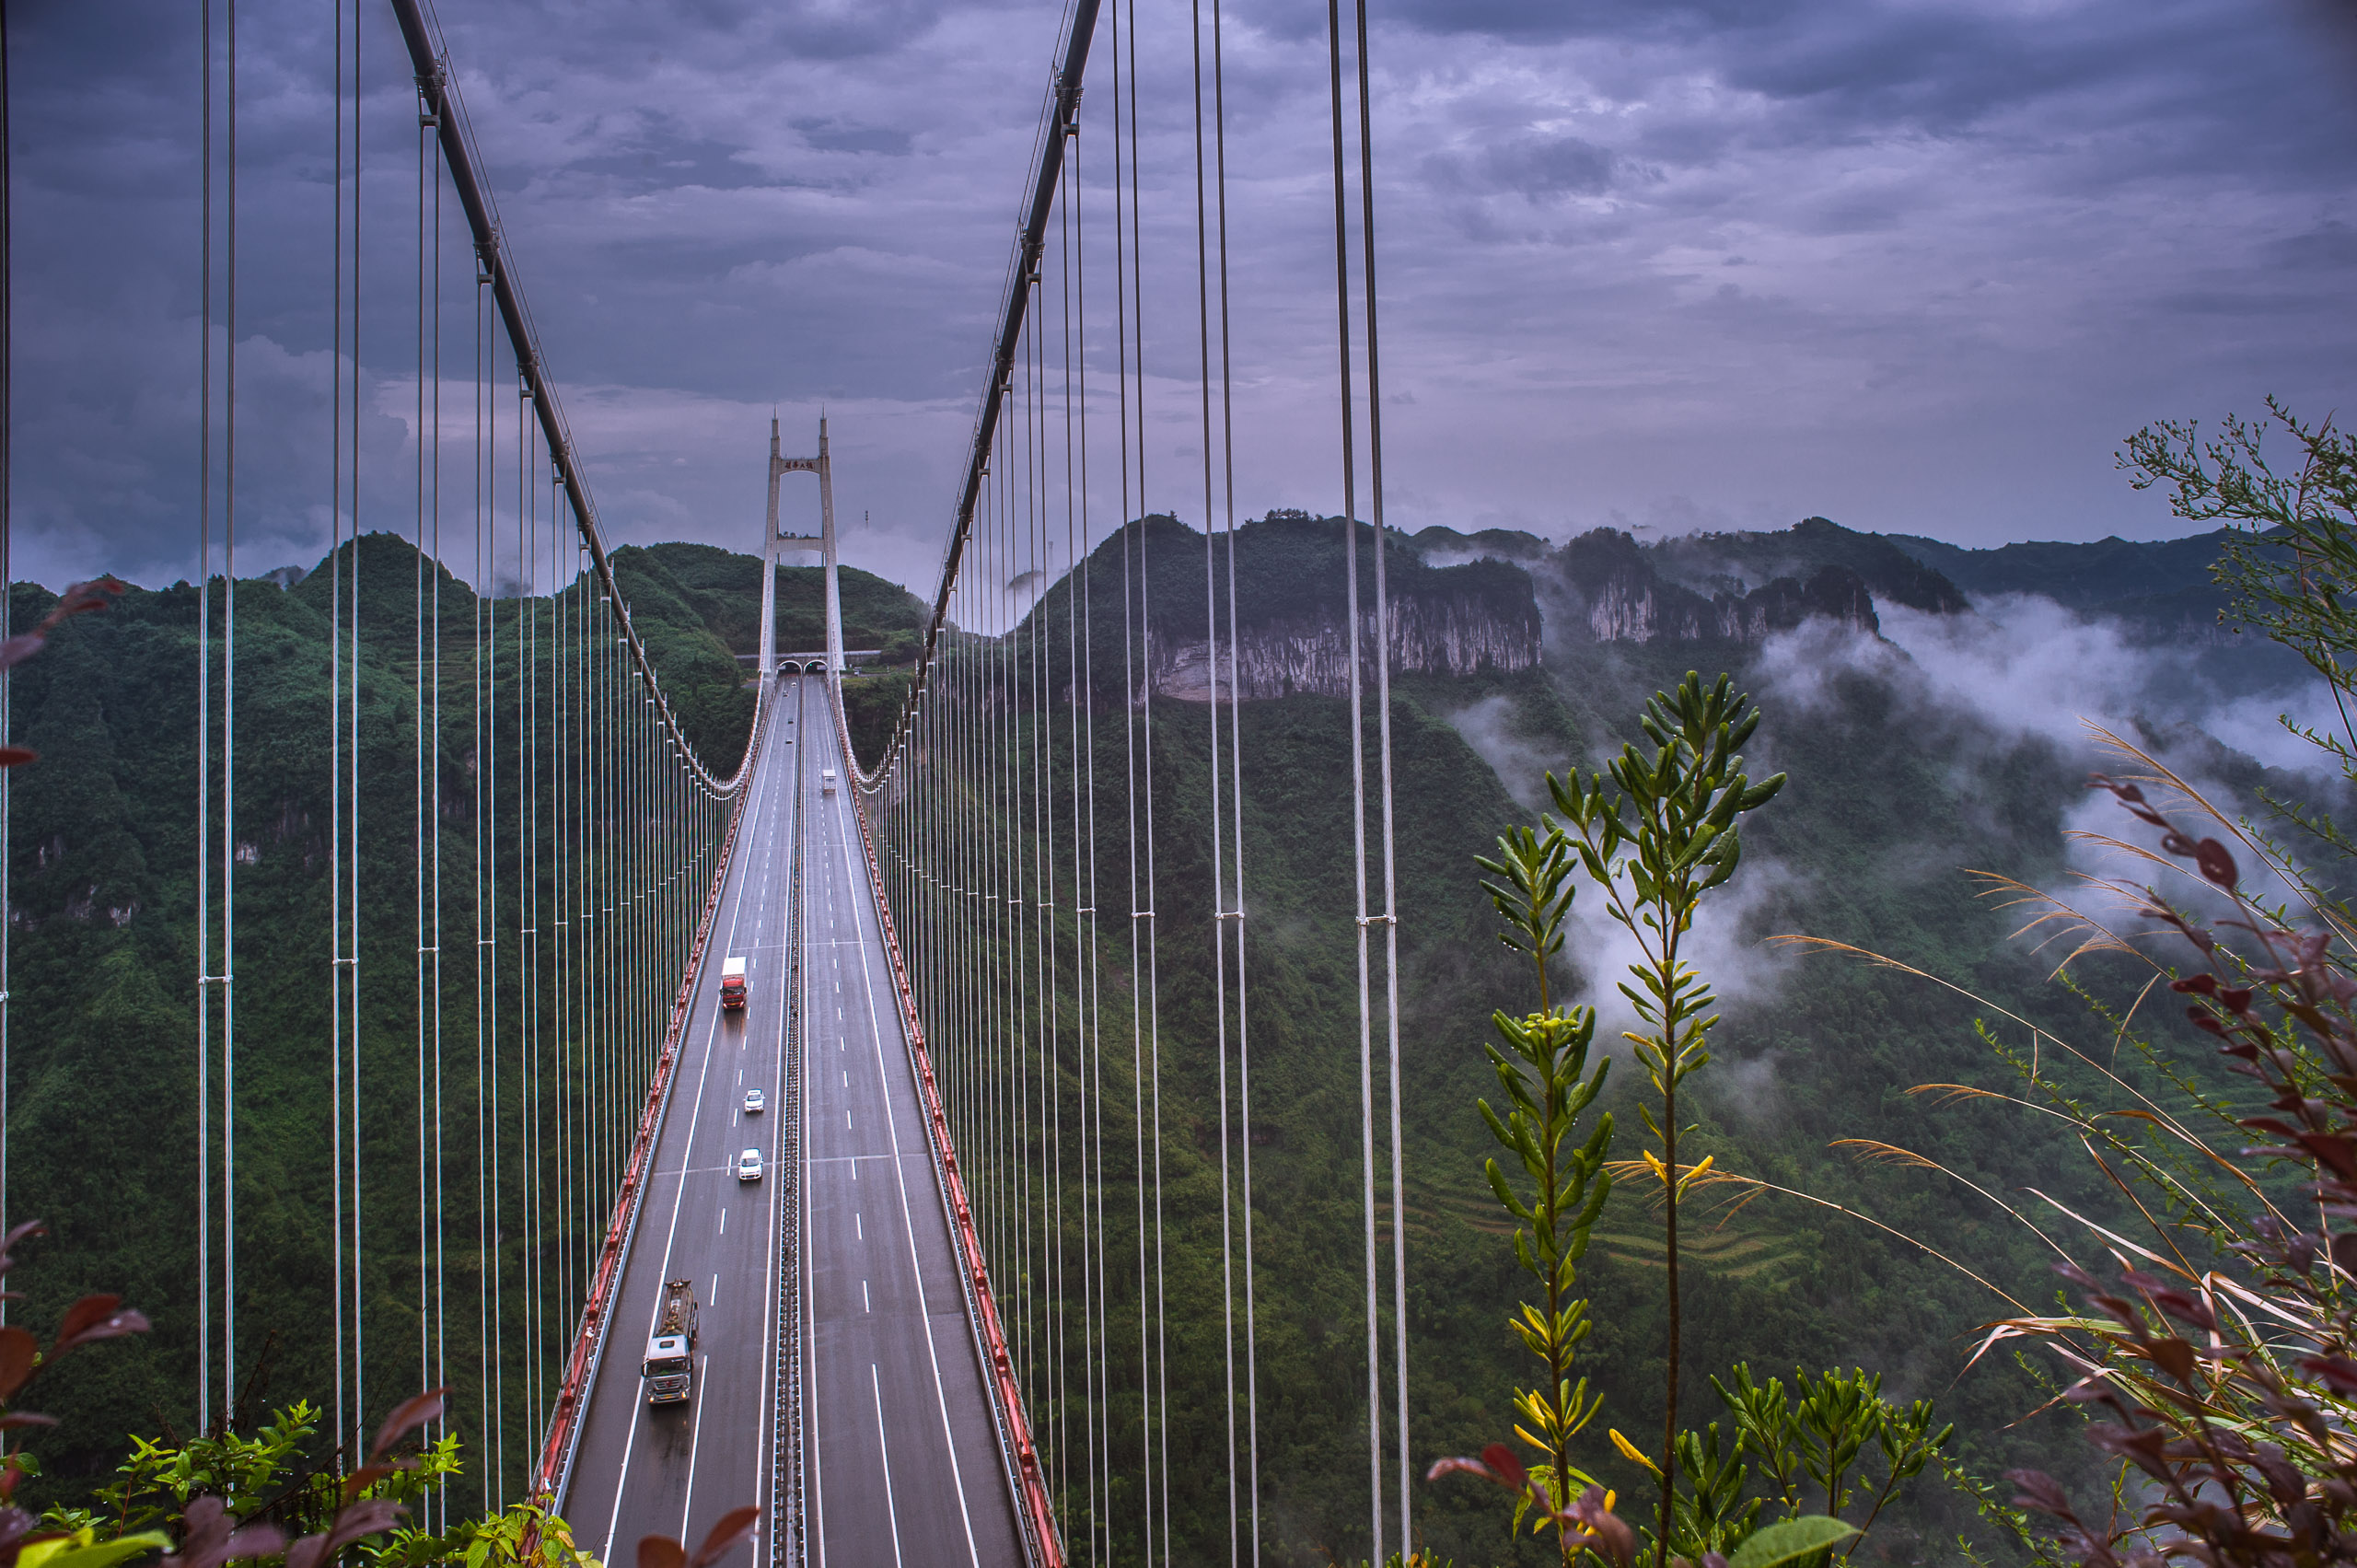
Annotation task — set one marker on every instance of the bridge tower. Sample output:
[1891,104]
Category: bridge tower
[824,542]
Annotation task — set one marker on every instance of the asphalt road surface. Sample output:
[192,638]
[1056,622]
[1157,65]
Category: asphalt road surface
[902,1464]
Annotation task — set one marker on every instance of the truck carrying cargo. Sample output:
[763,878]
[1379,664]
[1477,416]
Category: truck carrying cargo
[732,985]
[670,1368]
[827,781]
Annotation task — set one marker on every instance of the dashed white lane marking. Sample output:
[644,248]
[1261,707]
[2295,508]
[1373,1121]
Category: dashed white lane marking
[884,1453]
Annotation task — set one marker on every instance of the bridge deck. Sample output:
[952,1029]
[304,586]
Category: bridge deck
[901,1461]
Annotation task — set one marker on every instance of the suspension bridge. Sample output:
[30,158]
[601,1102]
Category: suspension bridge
[937,1315]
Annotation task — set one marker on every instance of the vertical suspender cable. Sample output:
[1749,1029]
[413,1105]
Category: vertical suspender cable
[1236,767]
[437,1375]
[359,1401]
[205,755]
[7,590]
[1383,712]
[335,742]
[1358,785]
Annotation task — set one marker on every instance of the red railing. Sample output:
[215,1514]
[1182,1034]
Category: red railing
[1004,1388]
[572,1392]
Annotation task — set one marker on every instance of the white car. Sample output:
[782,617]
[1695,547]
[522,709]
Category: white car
[748,1166]
[755,1103]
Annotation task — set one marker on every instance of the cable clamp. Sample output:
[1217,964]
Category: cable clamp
[332,962]
[1142,914]
[1378,920]
[213,979]
[1231,915]
[435,951]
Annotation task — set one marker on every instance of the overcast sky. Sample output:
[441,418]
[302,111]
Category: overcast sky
[1917,265]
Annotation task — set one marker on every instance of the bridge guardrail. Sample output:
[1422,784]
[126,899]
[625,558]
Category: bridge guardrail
[555,1467]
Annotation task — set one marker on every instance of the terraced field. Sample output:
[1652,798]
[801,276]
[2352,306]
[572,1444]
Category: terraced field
[1739,1249]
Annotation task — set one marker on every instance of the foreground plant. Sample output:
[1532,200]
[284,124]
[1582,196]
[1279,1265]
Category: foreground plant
[1828,1434]
[1656,832]
[1544,1071]
[223,1497]
[2225,1360]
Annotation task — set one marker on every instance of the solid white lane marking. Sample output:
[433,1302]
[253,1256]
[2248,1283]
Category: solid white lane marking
[864,1305]
[908,1221]
[885,1453]
[687,1505]
[858,1226]
[724,1222]
[715,1291]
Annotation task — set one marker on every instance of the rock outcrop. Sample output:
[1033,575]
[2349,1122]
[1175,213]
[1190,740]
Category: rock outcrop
[1431,632]
[1618,597]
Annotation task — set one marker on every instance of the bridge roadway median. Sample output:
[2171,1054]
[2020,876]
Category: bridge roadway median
[901,1464]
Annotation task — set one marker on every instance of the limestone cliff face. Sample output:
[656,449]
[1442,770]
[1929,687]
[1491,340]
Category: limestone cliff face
[1616,597]
[1431,632]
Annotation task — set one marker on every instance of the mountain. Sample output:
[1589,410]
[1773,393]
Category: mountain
[2163,588]
[1906,763]
[1923,716]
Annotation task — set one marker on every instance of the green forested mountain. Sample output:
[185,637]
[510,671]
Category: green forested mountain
[1909,762]
[103,1063]
[1897,787]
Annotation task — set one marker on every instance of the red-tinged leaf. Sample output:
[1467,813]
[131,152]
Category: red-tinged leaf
[79,598]
[1460,1465]
[21,647]
[18,756]
[19,1352]
[2184,1307]
[366,1477]
[661,1552]
[210,1536]
[97,1318]
[2201,984]
[255,1541]
[374,1517]
[16,1419]
[2174,1357]
[1507,1464]
[2344,1253]
[733,1527]
[1608,1534]
[2338,1373]
[17,1232]
[2041,1492]
[407,1417]
[2235,998]
[2330,1149]
[2211,858]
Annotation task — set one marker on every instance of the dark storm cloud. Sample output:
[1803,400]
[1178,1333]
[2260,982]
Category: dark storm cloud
[1914,264]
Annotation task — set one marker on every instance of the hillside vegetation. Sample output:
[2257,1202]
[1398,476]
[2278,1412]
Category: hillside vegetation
[1863,652]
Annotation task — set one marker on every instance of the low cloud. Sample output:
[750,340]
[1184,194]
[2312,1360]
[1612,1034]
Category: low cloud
[1725,945]
[1487,727]
[2027,668]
